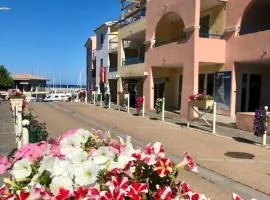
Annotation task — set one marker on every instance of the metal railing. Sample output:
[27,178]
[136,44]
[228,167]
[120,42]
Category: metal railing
[210,35]
[132,61]
[134,17]
[254,29]
[113,69]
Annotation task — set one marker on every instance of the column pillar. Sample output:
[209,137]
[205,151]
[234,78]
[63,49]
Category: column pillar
[189,86]
[148,89]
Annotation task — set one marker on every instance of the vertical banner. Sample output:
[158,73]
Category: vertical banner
[101,74]
[223,83]
[105,74]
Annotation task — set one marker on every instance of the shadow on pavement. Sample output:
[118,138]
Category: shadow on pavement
[243,140]
[240,155]
[154,118]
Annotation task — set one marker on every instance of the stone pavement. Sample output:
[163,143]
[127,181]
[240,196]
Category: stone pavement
[7,130]
[231,166]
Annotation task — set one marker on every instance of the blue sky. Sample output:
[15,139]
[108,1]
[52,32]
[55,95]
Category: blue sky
[48,36]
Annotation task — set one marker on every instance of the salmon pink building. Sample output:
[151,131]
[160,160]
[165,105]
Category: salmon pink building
[216,47]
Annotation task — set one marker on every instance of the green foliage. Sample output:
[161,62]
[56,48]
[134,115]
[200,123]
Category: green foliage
[5,79]
[158,105]
[37,130]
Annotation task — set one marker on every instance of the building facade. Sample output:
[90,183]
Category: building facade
[106,59]
[90,46]
[131,50]
[220,48]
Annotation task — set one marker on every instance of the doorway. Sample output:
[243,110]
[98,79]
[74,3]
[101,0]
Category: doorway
[206,84]
[251,92]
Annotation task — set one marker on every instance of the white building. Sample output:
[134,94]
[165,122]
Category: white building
[106,56]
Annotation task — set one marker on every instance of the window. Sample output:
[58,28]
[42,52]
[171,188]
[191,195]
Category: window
[101,38]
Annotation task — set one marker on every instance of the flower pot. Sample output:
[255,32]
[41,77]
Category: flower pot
[16,102]
[203,104]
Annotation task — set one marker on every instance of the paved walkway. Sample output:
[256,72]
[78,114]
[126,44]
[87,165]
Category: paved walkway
[243,164]
[7,130]
[222,128]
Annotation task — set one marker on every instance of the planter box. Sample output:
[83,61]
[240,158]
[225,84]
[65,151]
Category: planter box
[203,104]
[16,102]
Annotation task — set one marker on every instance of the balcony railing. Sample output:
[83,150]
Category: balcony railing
[134,17]
[254,29]
[132,61]
[210,35]
[113,43]
[113,69]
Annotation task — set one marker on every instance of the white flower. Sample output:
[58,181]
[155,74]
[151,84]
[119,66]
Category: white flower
[83,135]
[86,174]
[47,163]
[265,107]
[78,157]
[120,163]
[128,150]
[61,168]
[59,182]
[102,155]
[69,144]
[21,169]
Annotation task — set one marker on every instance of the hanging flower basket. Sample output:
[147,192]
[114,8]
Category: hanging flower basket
[201,101]
[202,104]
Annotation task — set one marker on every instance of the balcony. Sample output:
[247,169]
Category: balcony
[254,29]
[134,70]
[132,61]
[134,16]
[113,44]
[113,69]
[212,36]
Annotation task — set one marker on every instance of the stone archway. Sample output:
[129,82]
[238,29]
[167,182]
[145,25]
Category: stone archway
[256,17]
[170,28]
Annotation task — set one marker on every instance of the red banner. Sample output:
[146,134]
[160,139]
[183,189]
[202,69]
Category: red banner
[103,74]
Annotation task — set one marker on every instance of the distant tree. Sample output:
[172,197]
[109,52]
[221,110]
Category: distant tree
[5,79]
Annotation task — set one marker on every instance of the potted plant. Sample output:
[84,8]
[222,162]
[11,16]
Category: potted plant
[17,99]
[158,105]
[201,101]
[139,104]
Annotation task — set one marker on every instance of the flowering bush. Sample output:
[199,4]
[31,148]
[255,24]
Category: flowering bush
[139,104]
[17,95]
[92,165]
[199,97]
[158,105]
[260,121]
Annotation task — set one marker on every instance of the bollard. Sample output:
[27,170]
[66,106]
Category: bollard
[128,103]
[163,109]
[77,97]
[214,117]
[94,98]
[143,106]
[109,101]
[19,127]
[101,100]
[86,97]
[264,138]
[25,133]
